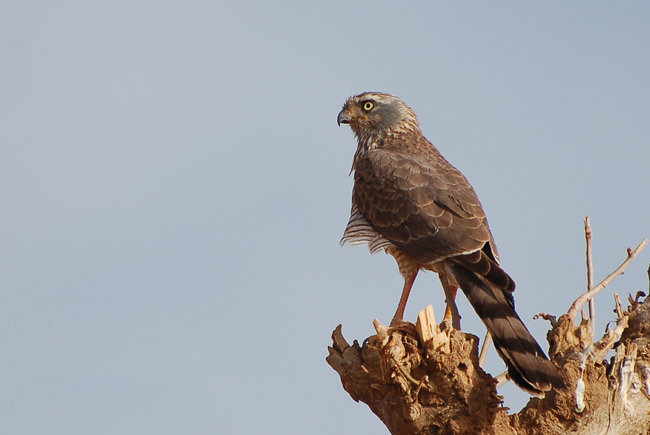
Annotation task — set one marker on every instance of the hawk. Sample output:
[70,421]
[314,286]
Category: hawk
[412,203]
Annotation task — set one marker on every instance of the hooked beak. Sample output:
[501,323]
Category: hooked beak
[343,118]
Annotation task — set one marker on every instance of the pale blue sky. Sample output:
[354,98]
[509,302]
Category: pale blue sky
[174,187]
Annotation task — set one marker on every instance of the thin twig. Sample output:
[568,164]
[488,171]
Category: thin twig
[422,382]
[638,296]
[585,297]
[502,378]
[484,348]
[602,346]
[619,306]
[598,351]
[408,376]
[590,278]
[548,317]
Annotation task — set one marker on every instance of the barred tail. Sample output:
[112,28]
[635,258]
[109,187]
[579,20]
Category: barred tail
[488,288]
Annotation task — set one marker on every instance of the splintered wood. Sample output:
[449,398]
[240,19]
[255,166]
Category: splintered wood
[429,331]
[426,324]
[408,376]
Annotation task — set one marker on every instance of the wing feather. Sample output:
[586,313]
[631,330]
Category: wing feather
[419,202]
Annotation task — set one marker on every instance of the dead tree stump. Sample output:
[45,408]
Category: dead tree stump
[425,378]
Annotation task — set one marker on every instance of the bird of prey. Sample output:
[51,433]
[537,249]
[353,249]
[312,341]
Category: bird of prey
[411,202]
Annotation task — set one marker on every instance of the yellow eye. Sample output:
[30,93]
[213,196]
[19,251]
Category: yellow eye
[368,105]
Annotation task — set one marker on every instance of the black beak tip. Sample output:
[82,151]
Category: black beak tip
[343,118]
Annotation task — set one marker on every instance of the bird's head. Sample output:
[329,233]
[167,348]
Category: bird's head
[373,113]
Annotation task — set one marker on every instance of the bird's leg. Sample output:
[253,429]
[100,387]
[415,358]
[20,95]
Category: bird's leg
[450,291]
[451,312]
[409,278]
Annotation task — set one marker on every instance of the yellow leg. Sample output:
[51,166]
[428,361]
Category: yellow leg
[408,284]
[451,312]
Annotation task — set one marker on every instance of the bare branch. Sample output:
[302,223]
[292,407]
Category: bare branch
[602,346]
[619,306]
[590,278]
[585,297]
[484,348]
[502,379]
[548,317]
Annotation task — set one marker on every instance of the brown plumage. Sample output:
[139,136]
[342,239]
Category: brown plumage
[410,201]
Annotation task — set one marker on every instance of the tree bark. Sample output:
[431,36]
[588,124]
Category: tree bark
[425,378]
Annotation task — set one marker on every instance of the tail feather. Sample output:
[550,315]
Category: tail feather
[527,364]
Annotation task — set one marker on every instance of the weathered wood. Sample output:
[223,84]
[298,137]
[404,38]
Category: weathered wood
[426,379]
